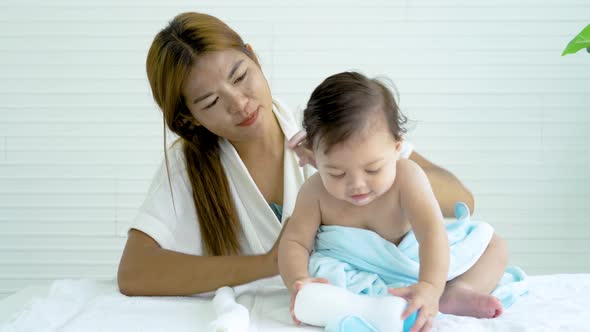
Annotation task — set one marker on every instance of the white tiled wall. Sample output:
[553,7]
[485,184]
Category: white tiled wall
[490,97]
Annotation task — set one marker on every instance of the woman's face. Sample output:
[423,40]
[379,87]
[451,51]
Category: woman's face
[227,93]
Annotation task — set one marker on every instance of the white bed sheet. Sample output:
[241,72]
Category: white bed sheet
[558,302]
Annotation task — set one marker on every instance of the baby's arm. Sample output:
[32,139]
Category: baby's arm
[299,235]
[419,205]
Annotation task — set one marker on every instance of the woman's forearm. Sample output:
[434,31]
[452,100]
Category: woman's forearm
[156,271]
[448,190]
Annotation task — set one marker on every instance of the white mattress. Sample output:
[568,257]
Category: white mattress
[558,302]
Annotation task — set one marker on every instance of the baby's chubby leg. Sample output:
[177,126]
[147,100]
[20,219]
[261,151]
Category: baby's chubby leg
[323,304]
[468,294]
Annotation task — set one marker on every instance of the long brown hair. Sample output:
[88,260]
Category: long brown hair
[170,58]
[341,106]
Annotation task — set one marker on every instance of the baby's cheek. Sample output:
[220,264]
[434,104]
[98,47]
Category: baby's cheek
[336,188]
[332,186]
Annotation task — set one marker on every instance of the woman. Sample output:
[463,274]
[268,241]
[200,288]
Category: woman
[216,207]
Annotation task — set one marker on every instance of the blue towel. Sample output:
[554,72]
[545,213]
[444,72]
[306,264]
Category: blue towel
[365,263]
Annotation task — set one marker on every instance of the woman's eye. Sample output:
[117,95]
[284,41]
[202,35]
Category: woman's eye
[212,104]
[373,171]
[241,78]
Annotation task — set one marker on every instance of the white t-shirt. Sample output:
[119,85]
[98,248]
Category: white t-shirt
[180,231]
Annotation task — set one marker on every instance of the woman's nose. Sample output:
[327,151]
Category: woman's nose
[238,102]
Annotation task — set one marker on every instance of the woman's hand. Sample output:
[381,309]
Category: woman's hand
[299,144]
[297,285]
[422,296]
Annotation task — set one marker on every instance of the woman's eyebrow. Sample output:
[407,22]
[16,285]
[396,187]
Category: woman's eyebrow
[234,68]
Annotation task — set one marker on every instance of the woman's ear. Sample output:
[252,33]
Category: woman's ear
[194,122]
[189,120]
[251,51]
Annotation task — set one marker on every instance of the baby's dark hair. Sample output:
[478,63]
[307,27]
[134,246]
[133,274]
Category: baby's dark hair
[342,105]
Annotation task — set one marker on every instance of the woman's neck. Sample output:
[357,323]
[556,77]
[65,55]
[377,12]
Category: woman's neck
[270,146]
[264,159]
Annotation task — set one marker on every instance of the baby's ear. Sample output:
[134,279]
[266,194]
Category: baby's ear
[398,145]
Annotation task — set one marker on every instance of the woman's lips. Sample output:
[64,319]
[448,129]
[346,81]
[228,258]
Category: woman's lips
[249,120]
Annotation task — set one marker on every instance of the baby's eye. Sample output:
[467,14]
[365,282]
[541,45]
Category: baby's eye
[337,176]
[373,171]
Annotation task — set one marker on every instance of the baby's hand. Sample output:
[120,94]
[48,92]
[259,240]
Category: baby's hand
[422,296]
[297,285]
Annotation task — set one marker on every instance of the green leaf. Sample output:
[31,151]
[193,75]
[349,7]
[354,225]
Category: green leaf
[582,40]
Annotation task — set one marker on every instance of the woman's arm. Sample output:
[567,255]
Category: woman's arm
[447,188]
[147,269]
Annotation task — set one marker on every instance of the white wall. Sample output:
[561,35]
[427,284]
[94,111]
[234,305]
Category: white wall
[492,100]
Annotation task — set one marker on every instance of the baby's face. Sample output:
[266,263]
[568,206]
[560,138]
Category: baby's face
[360,169]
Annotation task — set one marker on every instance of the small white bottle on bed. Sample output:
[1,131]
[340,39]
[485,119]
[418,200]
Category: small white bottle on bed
[322,304]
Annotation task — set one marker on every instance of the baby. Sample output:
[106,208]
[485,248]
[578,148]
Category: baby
[354,128]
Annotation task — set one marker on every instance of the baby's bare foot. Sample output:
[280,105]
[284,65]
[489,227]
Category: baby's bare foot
[462,301]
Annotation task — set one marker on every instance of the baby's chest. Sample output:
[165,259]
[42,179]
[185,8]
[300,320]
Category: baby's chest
[387,221]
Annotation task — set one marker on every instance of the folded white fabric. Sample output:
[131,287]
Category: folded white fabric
[66,299]
[231,316]
[555,303]
[93,306]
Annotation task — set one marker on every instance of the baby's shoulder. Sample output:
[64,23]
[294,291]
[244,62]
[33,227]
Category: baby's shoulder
[409,172]
[407,166]
[312,186]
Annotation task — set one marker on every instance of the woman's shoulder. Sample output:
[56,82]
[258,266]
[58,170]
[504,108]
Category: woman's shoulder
[168,211]
[172,168]
[176,156]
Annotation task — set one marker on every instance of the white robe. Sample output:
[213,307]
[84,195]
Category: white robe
[260,227]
